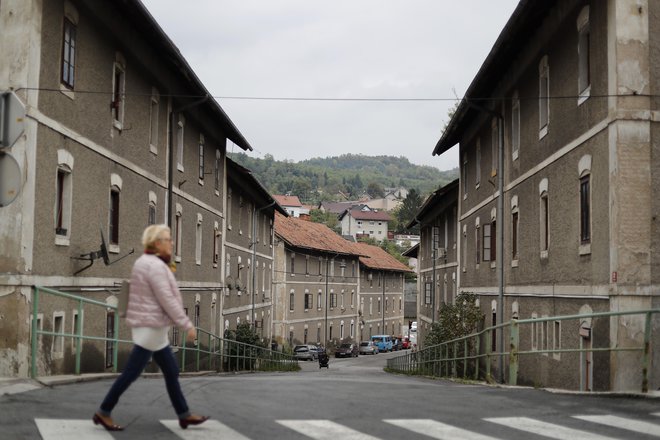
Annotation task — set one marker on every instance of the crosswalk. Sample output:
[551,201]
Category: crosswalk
[576,427]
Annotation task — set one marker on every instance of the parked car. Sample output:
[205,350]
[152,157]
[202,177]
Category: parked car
[305,352]
[368,347]
[383,342]
[396,344]
[347,350]
[405,343]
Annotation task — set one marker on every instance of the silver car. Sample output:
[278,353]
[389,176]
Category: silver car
[305,352]
[368,347]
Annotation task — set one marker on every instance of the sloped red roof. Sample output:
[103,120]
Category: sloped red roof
[287,200]
[378,258]
[309,235]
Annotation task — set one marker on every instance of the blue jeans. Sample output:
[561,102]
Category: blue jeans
[136,362]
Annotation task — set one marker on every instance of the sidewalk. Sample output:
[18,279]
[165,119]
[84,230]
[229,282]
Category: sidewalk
[10,385]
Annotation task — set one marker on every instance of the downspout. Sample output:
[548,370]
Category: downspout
[383,302]
[170,154]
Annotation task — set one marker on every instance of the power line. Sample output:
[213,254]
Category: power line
[326,99]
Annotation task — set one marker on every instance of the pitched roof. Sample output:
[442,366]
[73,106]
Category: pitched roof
[378,258]
[337,207]
[450,189]
[358,214]
[287,200]
[242,176]
[304,234]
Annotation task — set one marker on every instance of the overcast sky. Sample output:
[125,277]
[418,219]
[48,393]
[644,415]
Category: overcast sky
[384,49]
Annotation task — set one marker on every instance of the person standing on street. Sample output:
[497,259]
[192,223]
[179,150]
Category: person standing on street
[154,304]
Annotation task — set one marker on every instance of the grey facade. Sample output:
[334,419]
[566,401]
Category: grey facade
[108,148]
[566,95]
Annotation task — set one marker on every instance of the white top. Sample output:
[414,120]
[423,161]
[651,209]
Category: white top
[151,338]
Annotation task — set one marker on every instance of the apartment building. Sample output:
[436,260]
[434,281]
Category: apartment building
[316,284]
[381,292]
[119,133]
[558,185]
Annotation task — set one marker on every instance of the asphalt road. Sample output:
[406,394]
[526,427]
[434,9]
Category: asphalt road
[353,399]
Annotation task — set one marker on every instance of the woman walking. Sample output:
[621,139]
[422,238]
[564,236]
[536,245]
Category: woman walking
[154,304]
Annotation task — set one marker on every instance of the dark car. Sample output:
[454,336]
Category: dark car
[347,350]
[397,344]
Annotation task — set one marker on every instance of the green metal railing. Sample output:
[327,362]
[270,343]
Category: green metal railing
[220,354]
[463,357]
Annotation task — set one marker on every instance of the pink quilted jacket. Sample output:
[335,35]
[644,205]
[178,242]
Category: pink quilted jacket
[154,299]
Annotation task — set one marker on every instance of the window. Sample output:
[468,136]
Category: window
[58,329]
[487,241]
[153,121]
[585,209]
[514,230]
[535,332]
[427,292]
[229,199]
[118,94]
[198,240]
[333,299]
[464,176]
[201,159]
[196,317]
[216,244]
[544,222]
[178,225]
[180,126]
[109,334]
[216,180]
[477,237]
[69,54]
[584,169]
[493,241]
[292,298]
[151,215]
[63,201]
[515,126]
[113,232]
[308,301]
[556,339]
[494,145]
[306,264]
[584,49]
[292,265]
[477,165]
[544,95]
[463,249]
[318,300]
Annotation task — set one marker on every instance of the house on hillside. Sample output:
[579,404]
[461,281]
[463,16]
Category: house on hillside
[148,145]
[364,222]
[291,204]
[381,292]
[558,192]
[437,255]
[249,253]
[316,282]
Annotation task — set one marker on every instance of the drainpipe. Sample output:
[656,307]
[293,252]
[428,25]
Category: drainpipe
[383,302]
[170,154]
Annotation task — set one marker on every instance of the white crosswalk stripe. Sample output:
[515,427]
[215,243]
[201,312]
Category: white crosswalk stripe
[211,429]
[656,414]
[438,430]
[62,429]
[324,430]
[546,429]
[623,423]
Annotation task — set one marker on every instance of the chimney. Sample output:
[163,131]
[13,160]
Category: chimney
[304,217]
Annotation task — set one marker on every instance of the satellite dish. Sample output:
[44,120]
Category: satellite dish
[10,179]
[101,253]
[229,282]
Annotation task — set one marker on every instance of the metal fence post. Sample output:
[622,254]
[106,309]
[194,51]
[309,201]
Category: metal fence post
[476,359]
[465,357]
[183,355]
[513,352]
[35,339]
[489,336]
[115,342]
[645,354]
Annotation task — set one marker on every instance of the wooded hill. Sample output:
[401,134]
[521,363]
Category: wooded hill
[319,179]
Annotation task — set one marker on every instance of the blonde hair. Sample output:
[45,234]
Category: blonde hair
[152,234]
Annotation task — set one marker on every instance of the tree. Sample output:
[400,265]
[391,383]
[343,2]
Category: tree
[327,218]
[375,190]
[408,210]
[455,320]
